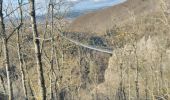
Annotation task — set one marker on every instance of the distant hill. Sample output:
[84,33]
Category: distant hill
[100,21]
[74,14]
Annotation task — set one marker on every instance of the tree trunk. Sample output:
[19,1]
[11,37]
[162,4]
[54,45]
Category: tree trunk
[37,51]
[19,52]
[137,72]
[3,84]
[21,66]
[29,81]
[52,47]
[5,50]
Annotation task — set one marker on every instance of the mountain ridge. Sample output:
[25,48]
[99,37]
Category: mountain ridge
[100,21]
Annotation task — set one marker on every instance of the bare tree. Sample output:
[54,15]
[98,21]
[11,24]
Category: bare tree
[37,51]
[20,2]
[5,47]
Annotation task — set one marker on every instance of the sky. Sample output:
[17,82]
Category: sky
[78,5]
[87,4]
[93,4]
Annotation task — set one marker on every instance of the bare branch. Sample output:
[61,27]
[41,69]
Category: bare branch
[15,10]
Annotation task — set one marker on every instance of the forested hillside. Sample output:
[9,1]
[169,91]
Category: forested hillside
[39,62]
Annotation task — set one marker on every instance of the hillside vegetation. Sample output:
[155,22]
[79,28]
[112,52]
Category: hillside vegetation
[37,63]
[139,32]
[101,21]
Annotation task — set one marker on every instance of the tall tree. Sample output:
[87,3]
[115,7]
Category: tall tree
[22,69]
[52,46]
[5,50]
[37,51]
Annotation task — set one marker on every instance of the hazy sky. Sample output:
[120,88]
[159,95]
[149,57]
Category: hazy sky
[92,4]
[79,5]
[88,4]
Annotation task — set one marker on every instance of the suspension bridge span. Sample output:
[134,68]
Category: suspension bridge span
[109,51]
